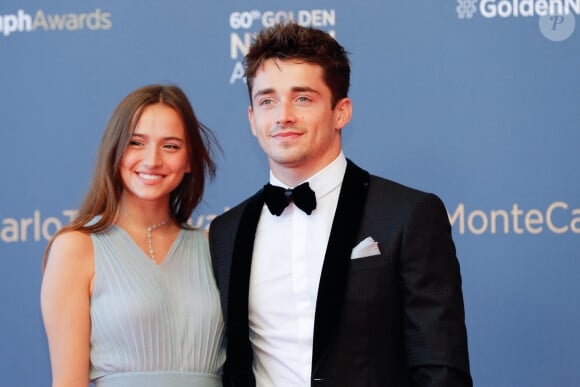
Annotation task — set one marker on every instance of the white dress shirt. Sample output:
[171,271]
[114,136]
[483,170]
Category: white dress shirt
[287,261]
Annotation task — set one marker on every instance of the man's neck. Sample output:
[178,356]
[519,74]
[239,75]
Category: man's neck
[292,177]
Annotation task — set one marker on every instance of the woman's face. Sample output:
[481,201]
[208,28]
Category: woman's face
[157,158]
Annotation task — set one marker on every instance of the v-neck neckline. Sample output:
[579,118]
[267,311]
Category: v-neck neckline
[136,245]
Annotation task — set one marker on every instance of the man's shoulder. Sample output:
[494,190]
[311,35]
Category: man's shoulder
[382,187]
[388,193]
[231,213]
[234,213]
[393,193]
[384,184]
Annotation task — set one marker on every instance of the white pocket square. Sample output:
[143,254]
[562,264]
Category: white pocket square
[366,248]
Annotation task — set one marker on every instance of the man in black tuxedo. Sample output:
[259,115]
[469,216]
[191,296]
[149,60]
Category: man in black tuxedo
[356,284]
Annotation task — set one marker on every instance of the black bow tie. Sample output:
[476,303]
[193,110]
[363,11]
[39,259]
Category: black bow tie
[277,198]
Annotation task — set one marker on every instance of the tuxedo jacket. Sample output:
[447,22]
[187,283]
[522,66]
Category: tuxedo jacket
[393,319]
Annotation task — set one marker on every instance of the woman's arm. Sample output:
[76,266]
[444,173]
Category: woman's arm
[65,301]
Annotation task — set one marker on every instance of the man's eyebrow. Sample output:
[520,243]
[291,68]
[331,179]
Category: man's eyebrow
[263,92]
[305,88]
[300,89]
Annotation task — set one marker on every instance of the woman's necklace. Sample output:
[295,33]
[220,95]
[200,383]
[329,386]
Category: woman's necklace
[150,229]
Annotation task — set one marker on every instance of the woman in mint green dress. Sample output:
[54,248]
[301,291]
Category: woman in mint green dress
[128,294]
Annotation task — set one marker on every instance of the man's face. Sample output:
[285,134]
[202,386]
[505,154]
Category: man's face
[292,118]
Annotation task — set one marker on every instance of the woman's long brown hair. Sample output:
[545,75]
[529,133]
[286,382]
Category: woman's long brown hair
[101,203]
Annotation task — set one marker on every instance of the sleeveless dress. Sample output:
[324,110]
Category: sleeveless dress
[155,325]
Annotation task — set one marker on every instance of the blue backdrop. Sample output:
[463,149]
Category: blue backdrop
[476,101]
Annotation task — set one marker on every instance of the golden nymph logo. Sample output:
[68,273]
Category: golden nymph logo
[25,22]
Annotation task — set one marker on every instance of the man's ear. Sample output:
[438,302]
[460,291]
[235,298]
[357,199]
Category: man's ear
[343,113]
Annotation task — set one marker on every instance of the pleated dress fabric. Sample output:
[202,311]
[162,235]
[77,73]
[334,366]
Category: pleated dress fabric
[155,325]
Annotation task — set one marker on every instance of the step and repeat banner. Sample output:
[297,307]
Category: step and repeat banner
[475,100]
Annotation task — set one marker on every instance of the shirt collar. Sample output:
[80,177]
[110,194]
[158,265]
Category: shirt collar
[324,180]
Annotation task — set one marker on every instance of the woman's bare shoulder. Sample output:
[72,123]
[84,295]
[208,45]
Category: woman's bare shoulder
[71,248]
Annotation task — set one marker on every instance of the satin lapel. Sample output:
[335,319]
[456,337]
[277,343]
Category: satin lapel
[239,351]
[345,227]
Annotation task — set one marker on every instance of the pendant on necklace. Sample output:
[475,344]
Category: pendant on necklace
[150,229]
